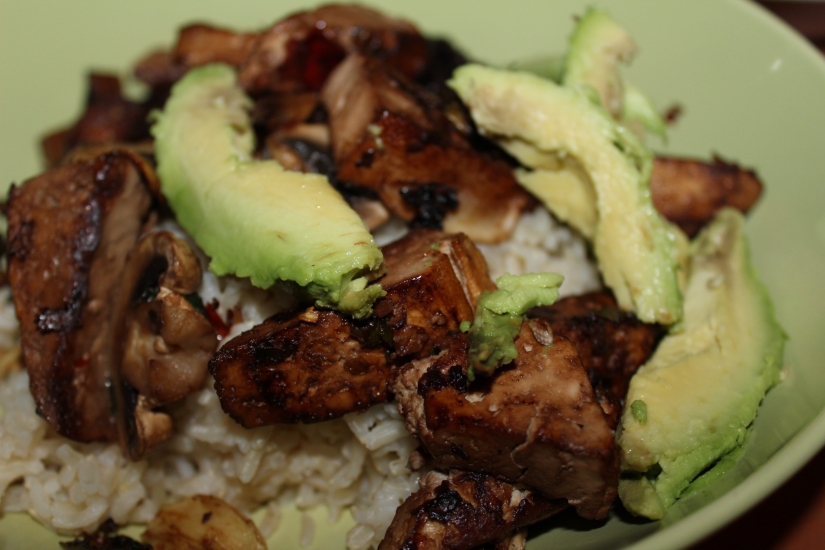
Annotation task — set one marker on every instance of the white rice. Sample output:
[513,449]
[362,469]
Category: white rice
[358,463]
[541,244]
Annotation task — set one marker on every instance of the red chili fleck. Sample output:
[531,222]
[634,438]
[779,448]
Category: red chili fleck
[221,328]
[310,60]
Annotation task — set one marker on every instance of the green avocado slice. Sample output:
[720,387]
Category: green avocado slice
[703,385]
[499,315]
[253,218]
[597,46]
[597,49]
[547,126]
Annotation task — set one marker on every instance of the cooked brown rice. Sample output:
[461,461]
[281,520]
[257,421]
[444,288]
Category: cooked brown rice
[357,464]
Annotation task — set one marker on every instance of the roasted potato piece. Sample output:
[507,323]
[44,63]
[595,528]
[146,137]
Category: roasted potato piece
[199,522]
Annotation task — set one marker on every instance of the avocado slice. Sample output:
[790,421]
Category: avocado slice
[545,125]
[637,108]
[703,385]
[253,218]
[499,315]
[597,49]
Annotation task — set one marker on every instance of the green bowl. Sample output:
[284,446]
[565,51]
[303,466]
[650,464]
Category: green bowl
[750,90]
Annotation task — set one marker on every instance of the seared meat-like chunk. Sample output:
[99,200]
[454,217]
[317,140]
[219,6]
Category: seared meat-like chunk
[70,231]
[612,344]
[536,422]
[432,283]
[462,511]
[408,145]
[690,192]
[318,365]
[300,368]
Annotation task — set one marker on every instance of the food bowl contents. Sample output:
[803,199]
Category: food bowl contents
[730,335]
[227,200]
[332,263]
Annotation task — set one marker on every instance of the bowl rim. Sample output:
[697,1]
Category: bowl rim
[799,449]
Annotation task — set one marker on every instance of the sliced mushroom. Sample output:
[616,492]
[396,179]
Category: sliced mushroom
[167,348]
[167,343]
[394,137]
[108,118]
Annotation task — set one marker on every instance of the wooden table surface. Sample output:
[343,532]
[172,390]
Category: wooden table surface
[793,517]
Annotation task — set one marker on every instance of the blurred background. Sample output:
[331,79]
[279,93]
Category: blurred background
[806,17]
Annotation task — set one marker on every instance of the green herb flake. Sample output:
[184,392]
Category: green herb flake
[639,410]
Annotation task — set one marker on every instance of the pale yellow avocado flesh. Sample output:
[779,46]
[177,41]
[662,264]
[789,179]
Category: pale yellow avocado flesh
[540,122]
[597,47]
[253,218]
[703,385]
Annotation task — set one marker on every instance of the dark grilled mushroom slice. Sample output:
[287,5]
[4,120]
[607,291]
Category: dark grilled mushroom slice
[689,192]
[395,137]
[303,49]
[168,343]
[70,232]
[296,53]
[142,155]
[108,118]
[463,511]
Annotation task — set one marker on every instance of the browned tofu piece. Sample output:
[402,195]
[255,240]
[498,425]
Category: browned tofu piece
[299,368]
[396,138]
[197,44]
[612,344]
[689,192]
[318,364]
[535,423]
[464,510]
[70,231]
[432,283]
